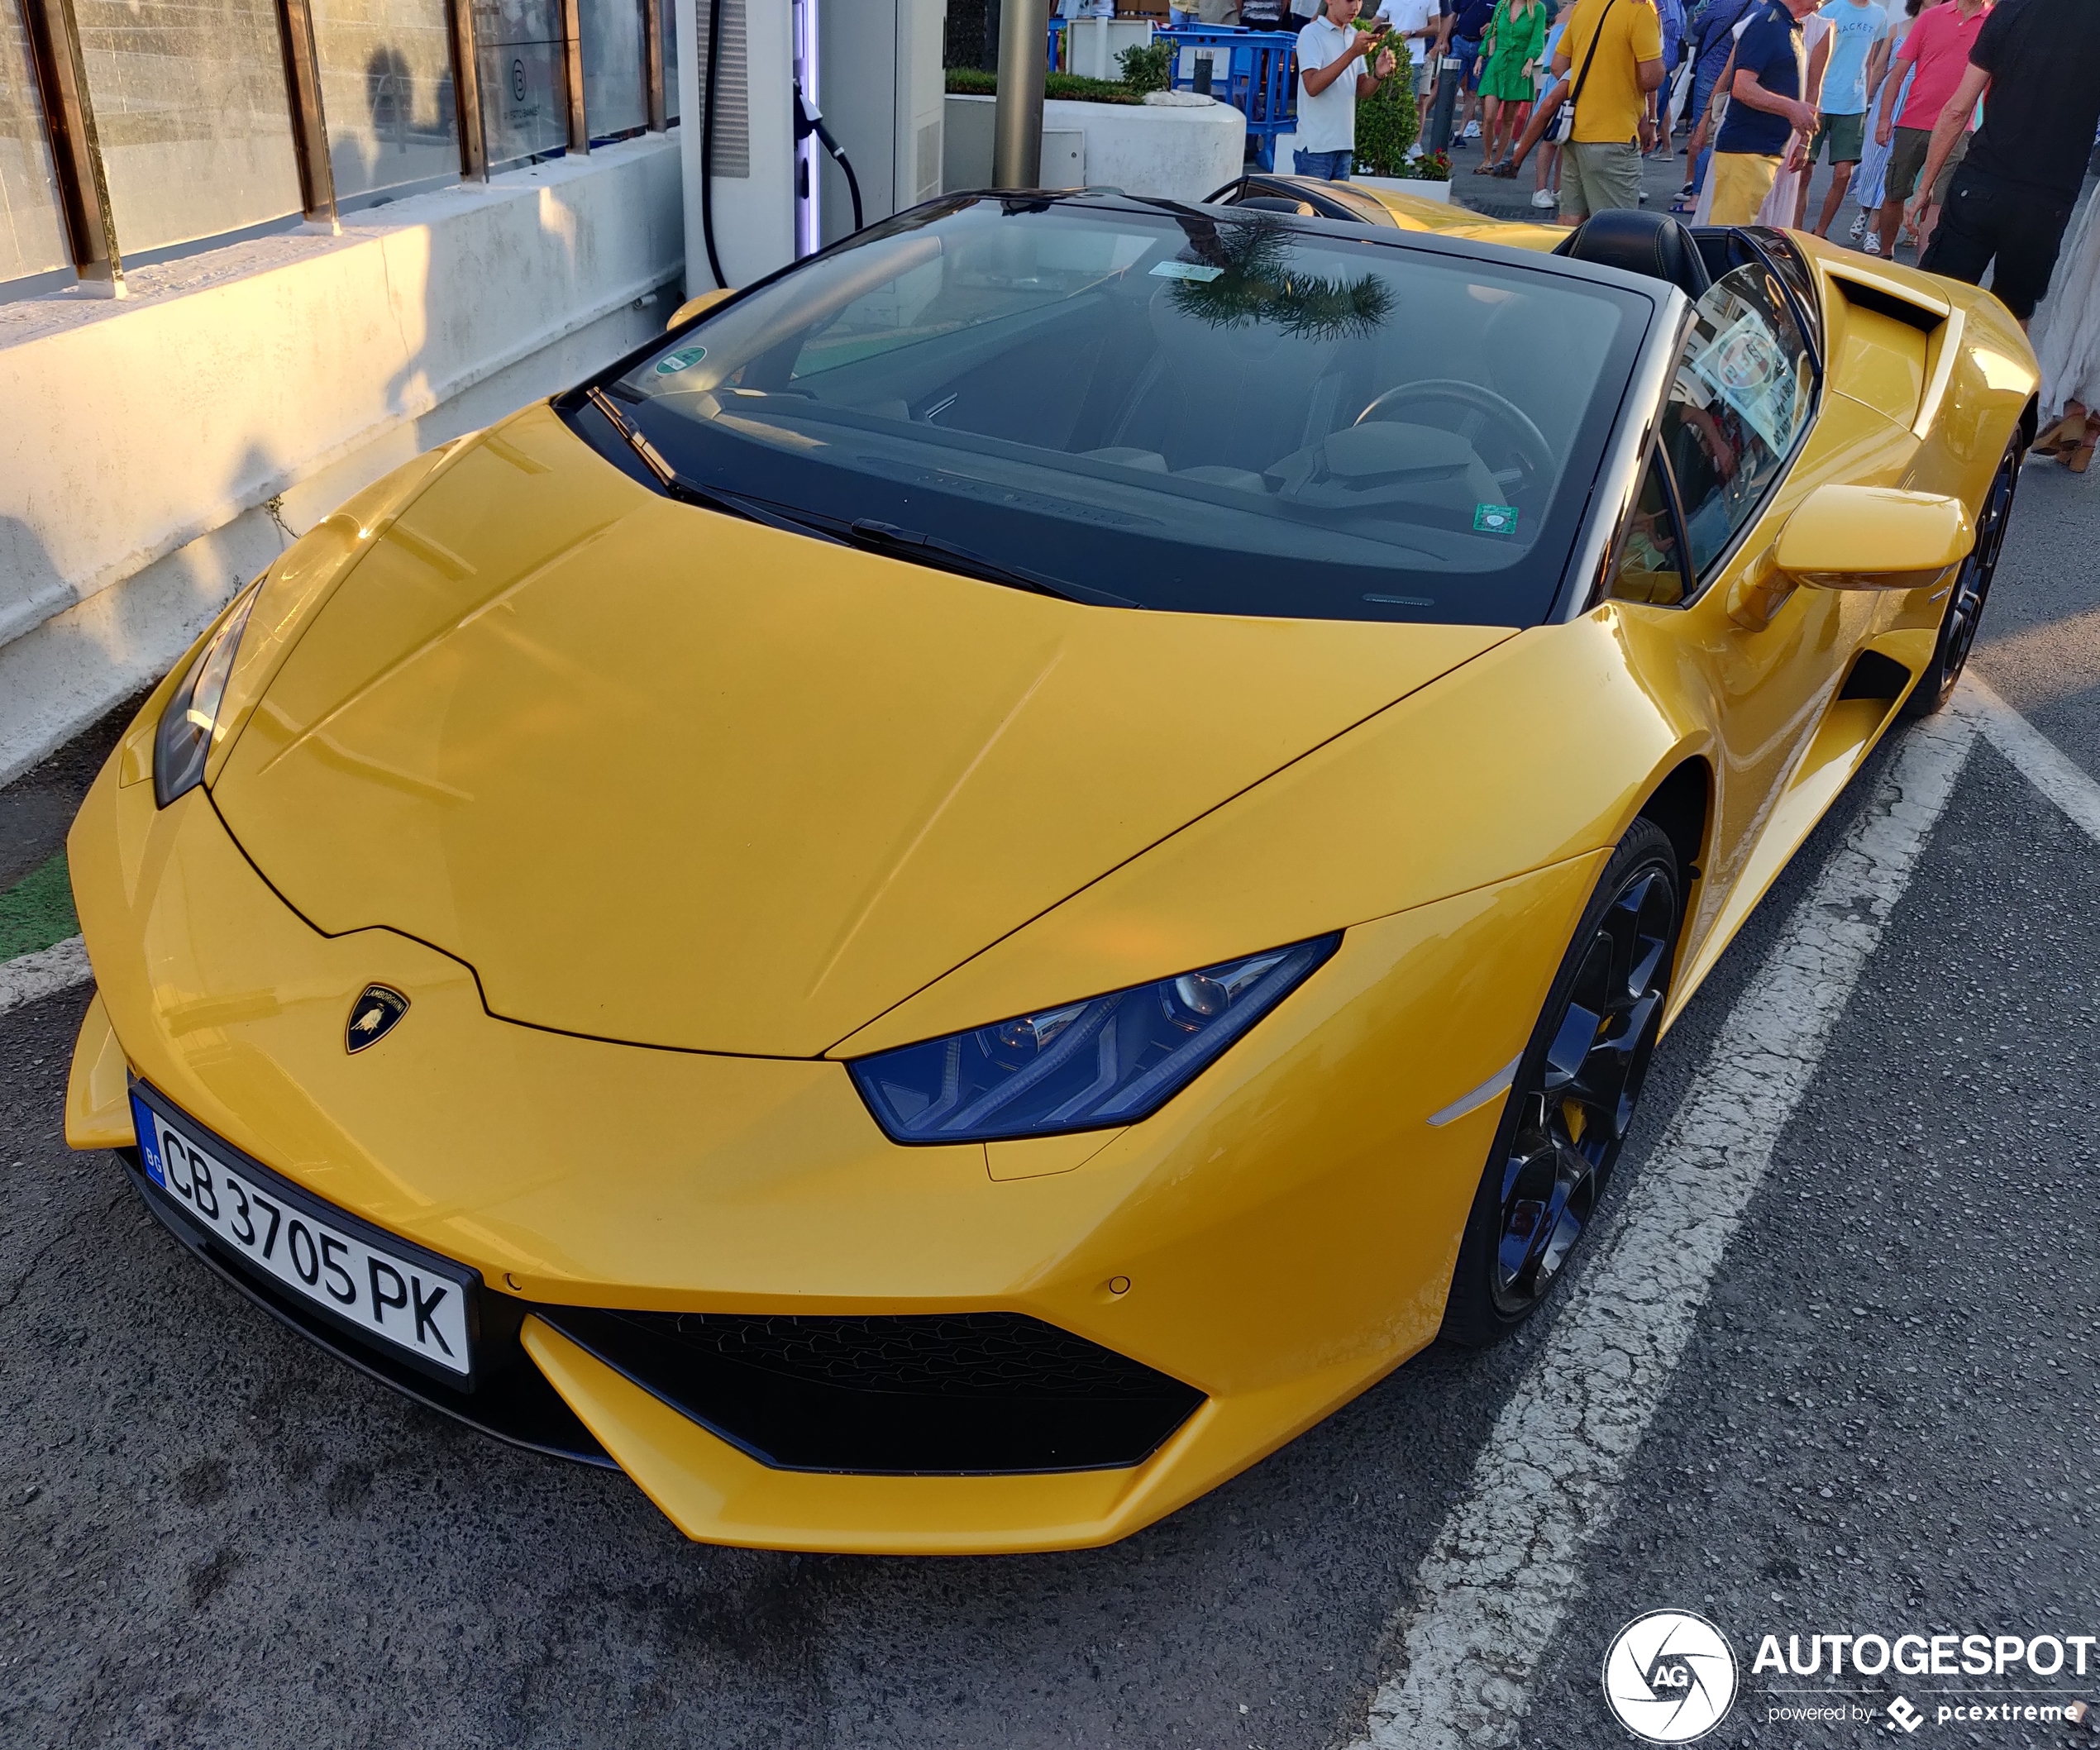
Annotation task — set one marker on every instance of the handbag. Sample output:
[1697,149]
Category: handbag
[1563,121]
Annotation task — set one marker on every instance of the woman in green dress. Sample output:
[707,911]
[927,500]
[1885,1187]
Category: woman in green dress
[1514,38]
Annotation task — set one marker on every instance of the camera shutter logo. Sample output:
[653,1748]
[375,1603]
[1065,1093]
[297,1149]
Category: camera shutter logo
[1669,1677]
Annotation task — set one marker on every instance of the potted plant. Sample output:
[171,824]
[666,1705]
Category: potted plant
[1385,128]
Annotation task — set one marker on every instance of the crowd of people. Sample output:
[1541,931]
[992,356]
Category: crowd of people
[1965,127]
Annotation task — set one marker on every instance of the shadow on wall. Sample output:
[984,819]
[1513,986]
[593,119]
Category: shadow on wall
[412,137]
[136,630]
[27,576]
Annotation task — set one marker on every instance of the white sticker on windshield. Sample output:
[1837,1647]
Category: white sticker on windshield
[1187,270]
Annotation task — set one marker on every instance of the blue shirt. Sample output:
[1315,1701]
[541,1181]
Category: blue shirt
[1672,12]
[1710,25]
[1854,30]
[1771,48]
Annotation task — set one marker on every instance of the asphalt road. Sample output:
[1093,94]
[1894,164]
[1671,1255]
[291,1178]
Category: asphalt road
[1884,1420]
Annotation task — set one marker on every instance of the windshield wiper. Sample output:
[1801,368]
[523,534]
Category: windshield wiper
[677,486]
[945,556]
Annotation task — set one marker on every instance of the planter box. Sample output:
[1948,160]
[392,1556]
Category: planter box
[1170,153]
[1421,191]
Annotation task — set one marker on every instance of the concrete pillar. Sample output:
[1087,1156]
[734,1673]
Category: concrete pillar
[1017,130]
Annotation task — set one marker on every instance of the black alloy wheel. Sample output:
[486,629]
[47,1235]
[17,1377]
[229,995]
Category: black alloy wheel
[1972,588]
[1577,1084]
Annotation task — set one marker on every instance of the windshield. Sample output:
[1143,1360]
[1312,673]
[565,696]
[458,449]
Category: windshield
[1201,410]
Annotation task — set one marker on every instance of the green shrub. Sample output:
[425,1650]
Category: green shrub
[1147,66]
[1386,122]
[969,81]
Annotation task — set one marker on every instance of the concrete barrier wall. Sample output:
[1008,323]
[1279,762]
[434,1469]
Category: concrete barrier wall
[157,452]
[1177,153]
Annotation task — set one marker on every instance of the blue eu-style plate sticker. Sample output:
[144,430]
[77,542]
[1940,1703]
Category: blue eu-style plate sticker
[685,358]
[1200,271]
[149,1143]
[1494,519]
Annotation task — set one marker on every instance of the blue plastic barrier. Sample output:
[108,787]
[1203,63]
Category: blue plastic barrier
[1255,71]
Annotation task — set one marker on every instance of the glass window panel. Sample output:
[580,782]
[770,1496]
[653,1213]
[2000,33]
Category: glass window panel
[195,125]
[670,61]
[32,239]
[615,100]
[1651,569]
[518,46]
[386,88]
[1741,396]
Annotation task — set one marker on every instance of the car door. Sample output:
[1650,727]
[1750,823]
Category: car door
[1717,635]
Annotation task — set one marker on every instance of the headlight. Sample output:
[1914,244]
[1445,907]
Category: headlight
[1088,1065]
[182,742]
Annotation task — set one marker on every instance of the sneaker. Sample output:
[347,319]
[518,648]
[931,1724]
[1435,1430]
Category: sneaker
[1473,130]
[1644,197]
[1872,244]
[1688,189]
[1542,198]
[1859,225]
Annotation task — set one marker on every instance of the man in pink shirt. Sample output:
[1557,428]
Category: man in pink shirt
[1939,44]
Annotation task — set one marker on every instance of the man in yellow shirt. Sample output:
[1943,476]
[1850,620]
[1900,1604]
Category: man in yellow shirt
[1612,90]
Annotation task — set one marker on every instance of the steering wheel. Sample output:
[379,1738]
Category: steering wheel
[1525,438]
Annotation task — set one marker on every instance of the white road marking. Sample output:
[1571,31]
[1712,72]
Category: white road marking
[1490,1592]
[2043,764]
[29,976]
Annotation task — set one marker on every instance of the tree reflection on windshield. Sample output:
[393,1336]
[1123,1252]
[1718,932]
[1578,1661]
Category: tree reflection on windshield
[1254,282]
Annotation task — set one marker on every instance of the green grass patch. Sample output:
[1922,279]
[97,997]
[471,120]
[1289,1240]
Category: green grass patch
[37,910]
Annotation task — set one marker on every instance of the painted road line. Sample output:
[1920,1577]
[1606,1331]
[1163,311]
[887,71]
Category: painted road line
[2040,759]
[29,976]
[1492,1591]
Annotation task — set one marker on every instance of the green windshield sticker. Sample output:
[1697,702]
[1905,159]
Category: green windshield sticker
[1495,519]
[685,358]
[1196,270]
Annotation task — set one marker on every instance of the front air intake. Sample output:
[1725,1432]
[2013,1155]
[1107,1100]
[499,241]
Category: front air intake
[950,1394]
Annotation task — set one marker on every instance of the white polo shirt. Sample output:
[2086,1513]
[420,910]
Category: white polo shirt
[1411,15]
[1326,119]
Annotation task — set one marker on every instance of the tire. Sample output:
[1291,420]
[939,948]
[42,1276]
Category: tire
[1972,589]
[1577,1084]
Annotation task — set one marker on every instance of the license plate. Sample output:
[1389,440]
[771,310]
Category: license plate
[315,1252]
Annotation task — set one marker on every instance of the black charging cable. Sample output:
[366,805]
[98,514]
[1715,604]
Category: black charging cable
[809,122]
[707,144]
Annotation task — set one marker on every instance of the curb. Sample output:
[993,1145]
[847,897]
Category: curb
[42,974]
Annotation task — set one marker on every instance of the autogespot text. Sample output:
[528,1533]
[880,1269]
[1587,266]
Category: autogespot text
[1924,1655]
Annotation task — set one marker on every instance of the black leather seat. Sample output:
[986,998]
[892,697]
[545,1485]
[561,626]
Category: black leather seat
[1650,243]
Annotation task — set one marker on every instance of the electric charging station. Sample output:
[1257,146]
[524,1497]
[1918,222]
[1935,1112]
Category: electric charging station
[802,90]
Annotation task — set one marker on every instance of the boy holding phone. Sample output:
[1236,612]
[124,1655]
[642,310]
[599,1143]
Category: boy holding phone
[1328,50]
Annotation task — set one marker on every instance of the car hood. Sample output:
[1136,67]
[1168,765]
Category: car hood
[662,776]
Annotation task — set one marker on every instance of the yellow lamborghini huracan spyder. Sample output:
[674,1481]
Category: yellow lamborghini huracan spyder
[942,909]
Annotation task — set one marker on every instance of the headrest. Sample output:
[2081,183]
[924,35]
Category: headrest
[1650,243]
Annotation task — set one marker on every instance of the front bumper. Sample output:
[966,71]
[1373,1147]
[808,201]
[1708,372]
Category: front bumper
[1274,1240]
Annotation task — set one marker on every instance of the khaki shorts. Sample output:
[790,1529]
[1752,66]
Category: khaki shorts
[1847,136]
[1597,176]
[1907,153]
[1741,182]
